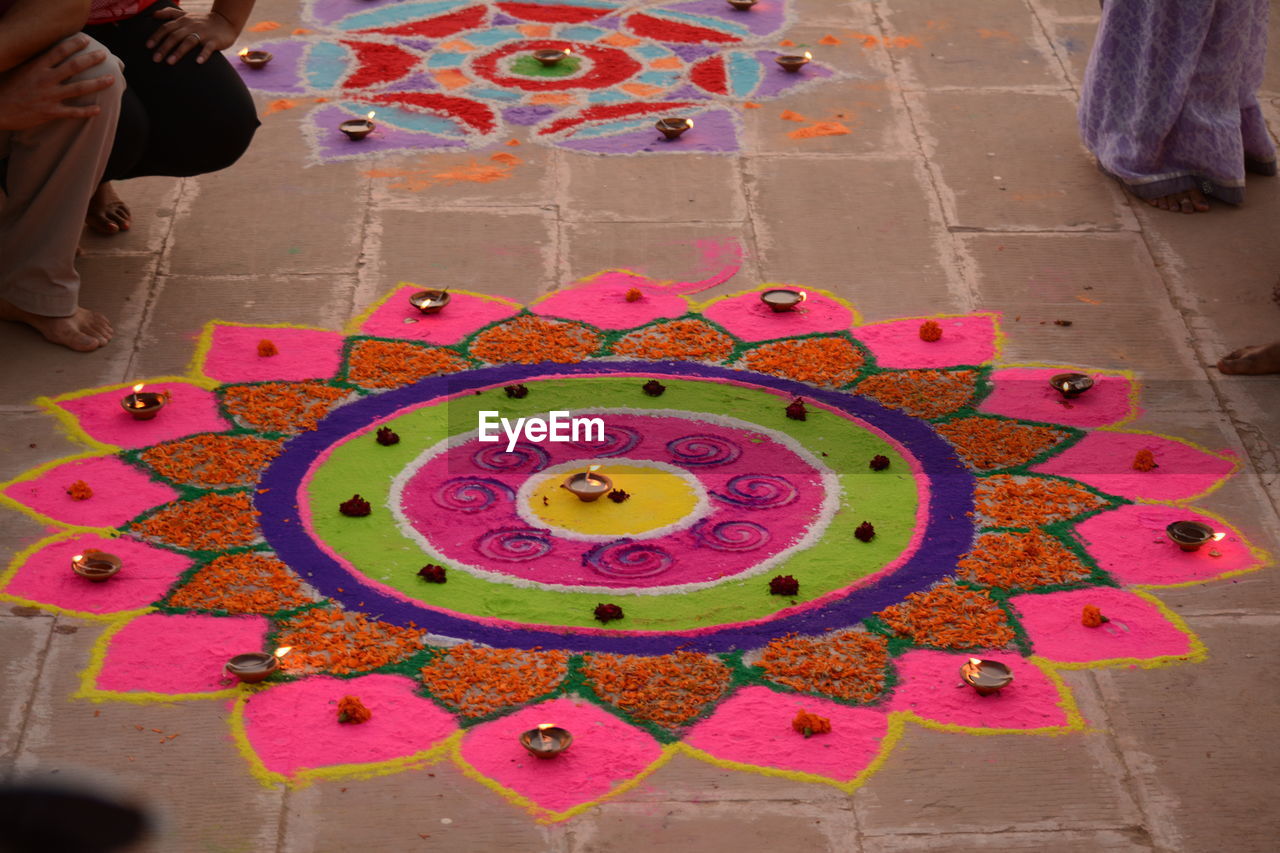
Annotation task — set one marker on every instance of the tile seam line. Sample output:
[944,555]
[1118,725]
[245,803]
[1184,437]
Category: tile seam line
[20,744]
[362,262]
[157,272]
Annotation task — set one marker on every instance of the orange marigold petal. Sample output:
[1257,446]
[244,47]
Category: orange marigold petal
[819,361]
[668,690]
[212,522]
[529,339]
[922,393]
[282,406]
[390,364]
[685,340]
[989,443]
[950,617]
[849,665]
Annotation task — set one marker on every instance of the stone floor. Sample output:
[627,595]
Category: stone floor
[963,186]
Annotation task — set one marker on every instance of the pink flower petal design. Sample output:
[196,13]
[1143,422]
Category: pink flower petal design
[602,301]
[1024,392]
[301,354]
[120,492]
[754,727]
[745,316]
[968,339]
[1130,544]
[45,576]
[1104,460]
[191,410]
[465,313]
[178,654]
[1137,630]
[605,753]
[927,686]
[294,726]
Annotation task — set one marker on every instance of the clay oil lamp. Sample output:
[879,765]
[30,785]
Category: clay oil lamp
[672,127]
[742,5]
[782,300]
[1071,384]
[546,741]
[253,667]
[430,301]
[358,128]
[985,676]
[255,59]
[96,566]
[793,62]
[589,486]
[143,405]
[551,57]
[1190,535]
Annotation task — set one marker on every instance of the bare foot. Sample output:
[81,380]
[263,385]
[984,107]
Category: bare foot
[1252,360]
[83,331]
[107,213]
[1191,201]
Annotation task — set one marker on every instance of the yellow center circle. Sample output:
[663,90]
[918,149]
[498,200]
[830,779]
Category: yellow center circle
[658,498]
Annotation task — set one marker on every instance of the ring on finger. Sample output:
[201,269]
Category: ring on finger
[195,36]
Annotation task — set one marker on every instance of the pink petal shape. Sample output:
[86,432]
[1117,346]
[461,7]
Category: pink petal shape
[301,354]
[1130,544]
[927,686]
[1137,629]
[605,752]
[191,410]
[601,301]
[295,726]
[754,727]
[45,576]
[745,316]
[178,653]
[969,339]
[120,492]
[1024,392]
[464,314]
[1104,460]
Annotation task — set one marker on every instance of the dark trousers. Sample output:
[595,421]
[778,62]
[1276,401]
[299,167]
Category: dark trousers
[176,120]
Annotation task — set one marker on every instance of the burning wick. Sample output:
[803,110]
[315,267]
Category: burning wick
[781,300]
[588,486]
[1190,535]
[1071,385]
[671,128]
[255,59]
[546,741]
[986,676]
[358,128]
[96,566]
[551,56]
[143,406]
[430,301]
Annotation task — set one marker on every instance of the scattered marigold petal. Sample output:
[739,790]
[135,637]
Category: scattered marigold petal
[810,724]
[475,681]
[930,331]
[950,617]
[212,522]
[684,340]
[243,583]
[849,665]
[989,443]
[1018,560]
[1144,460]
[922,393]
[390,364]
[1005,500]
[281,406]
[79,491]
[819,361]
[267,348]
[213,461]
[352,711]
[668,690]
[529,339]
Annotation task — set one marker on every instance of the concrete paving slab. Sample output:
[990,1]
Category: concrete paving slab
[1067,8]
[851,211]
[1190,763]
[1073,42]
[969,43]
[723,826]
[688,188]
[184,304]
[1112,841]
[862,118]
[1013,160]
[153,202]
[686,779]
[502,176]
[23,641]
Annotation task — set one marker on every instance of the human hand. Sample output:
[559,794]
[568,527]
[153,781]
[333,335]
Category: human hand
[36,91]
[182,32]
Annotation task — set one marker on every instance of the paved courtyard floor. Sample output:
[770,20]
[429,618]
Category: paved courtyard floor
[960,186]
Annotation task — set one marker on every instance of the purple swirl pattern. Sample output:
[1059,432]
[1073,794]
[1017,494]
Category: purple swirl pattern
[703,451]
[731,535]
[495,458]
[514,544]
[617,441]
[472,494]
[627,559]
[758,491]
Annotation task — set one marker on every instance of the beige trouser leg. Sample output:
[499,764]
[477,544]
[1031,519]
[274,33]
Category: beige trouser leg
[53,170]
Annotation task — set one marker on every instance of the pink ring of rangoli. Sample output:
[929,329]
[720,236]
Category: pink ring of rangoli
[763,497]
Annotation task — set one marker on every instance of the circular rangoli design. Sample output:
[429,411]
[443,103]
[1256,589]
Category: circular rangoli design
[810,514]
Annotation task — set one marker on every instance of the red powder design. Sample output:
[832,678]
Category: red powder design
[440,27]
[709,75]
[660,30]
[378,63]
[553,14]
[474,113]
[612,111]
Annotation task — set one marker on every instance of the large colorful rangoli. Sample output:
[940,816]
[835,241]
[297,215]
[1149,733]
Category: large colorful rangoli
[460,75]
[930,506]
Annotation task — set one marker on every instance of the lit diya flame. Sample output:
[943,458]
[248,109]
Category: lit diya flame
[1218,537]
[808,55]
[244,53]
[282,651]
[370,115]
